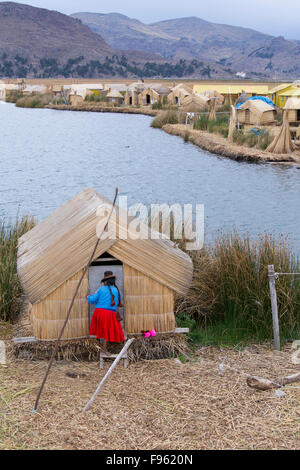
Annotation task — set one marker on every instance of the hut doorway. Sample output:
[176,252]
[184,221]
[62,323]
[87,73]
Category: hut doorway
[148,99]
[106,262]
[298,114]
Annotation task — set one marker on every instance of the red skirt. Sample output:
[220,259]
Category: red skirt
[104,325]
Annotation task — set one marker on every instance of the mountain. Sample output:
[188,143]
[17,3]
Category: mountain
[36,32]
[39,43]
[235,48]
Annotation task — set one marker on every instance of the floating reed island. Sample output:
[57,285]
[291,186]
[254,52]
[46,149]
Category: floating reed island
[219,145]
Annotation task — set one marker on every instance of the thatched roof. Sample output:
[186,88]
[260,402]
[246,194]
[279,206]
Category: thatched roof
[61,245]
[163,90]
[137,86]
[256,106]
[114,94]
[115,86]
[183,86]
[292,103]
[193,103]
[214,94]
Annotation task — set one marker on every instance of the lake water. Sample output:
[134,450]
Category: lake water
[48,156]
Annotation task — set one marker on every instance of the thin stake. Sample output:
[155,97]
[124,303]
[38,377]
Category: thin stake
[114,364]
[71,305]
[272,283]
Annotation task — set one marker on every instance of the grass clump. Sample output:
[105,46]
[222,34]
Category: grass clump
[10,289]
[100,98]
[13,96]
[157,105]
[229,299]
[249,139]
[34,101]
[165,117]
[218,126]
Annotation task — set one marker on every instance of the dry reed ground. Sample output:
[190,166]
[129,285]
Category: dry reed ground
[160,404]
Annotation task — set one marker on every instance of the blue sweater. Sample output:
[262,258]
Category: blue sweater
[102,298]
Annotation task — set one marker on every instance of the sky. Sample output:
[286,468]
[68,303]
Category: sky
[276,17]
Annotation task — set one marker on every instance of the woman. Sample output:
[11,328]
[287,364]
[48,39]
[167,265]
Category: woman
[106,321]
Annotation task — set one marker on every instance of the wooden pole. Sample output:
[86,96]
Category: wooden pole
[272,283]
[108,373]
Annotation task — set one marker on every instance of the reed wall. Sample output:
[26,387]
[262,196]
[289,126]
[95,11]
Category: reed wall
[48,315]
[148,304]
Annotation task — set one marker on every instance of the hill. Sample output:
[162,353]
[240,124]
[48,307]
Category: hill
[235,48]
[39,43]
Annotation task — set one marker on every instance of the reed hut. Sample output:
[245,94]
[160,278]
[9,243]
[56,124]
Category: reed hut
[153,94]
[216,96]
[256,112]
[131,98]
[147,97]
[52,257]
[194,103]
[293,110]
[114,96]
[178,94]
[76,99]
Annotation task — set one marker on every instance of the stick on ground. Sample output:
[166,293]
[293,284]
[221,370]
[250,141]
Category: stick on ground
[265,384]
[108,373]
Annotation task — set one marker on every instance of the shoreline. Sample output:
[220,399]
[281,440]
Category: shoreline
[103,109]
[213,143]
[219,145]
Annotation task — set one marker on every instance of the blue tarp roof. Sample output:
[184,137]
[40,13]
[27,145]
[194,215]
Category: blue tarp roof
[262,98]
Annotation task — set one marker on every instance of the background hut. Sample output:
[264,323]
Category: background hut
[131,98]
[147,97]
[52,256]
[215,95]
[75,99]
[132,93]
[178,93]
[155,93]
[114,96]
[293,110]
[256,112]
[194,103]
